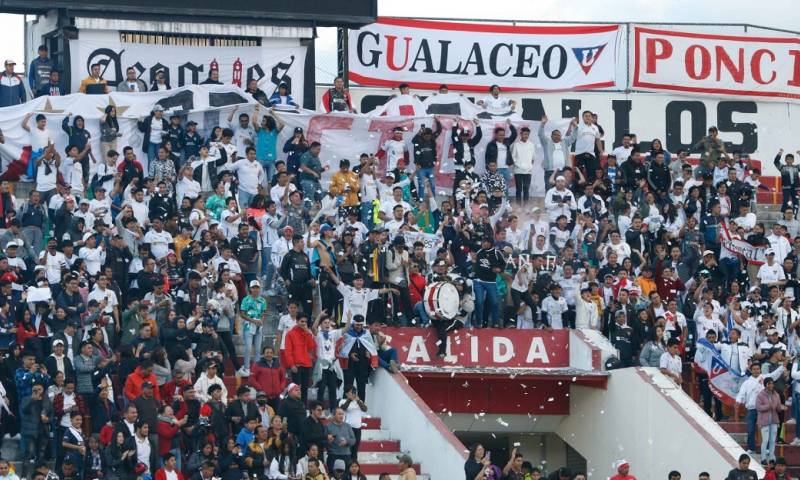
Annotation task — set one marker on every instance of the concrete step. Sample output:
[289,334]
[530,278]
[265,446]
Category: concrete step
[378,468]
[377,457]
[375,435]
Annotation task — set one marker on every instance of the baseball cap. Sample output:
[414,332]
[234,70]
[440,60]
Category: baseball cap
[390,174]
[292,386]
[158,108]
[560,177]
[255,283]
[10,62]
[298,129]
[708,252]
[339,465]
[58,342]
[325,228]
[769,251]
[405,458]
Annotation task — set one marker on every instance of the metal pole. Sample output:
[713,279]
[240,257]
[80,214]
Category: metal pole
[342,61]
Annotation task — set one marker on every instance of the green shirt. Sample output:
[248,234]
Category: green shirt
[253,307]
[311,162]
[216,204]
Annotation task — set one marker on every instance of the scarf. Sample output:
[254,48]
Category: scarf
[77,434]
[363,337]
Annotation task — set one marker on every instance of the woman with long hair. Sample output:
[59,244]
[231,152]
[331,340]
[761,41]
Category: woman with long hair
[354,472]
[650,356]
[109,131]
[476,465]
[283,464]
[118,461]
[295,147]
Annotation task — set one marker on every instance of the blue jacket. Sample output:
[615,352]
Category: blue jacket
[39,72]
[12,90]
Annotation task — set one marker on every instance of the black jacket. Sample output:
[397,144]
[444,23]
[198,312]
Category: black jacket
[294,412]
[425,150]
[789,173]
[632,172]
[458,145]
[313,432]
[146,125]
[491,149]
[658,177]
[211,169]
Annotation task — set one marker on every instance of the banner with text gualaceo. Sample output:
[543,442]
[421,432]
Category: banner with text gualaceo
[712,64]
[468,56]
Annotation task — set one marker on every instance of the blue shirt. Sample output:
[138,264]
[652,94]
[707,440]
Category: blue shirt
[244,438]
[267,145]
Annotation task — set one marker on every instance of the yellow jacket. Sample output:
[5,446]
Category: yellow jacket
[91,81]
[340,181]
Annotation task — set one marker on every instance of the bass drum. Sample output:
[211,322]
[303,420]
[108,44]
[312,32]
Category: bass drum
[441,300]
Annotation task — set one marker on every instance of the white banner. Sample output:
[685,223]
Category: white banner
[187,65]
[469,56]
[737,65]
[747,125]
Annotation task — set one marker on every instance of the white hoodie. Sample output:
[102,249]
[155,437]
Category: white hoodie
[522,153]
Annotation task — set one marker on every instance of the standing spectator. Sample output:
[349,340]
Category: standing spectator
[670,363]
[360,355]
[499,151]
[36,412]
[266,140]
[12,88]
[556,148]
[768,405]
[337,99]
[52,88]
[300,349]
[587,141]
[522,153]
[281,96]
[154,128]
[94,84]
[160,83]
[41,68]
[131,83]
[340,439]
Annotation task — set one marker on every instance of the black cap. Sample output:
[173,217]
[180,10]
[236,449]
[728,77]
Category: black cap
[298,129]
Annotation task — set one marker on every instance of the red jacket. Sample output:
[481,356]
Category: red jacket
[166,432]
[771,475]
[133,385]
[269,379]
[162,475]
[300,348]
[58,405]
[416,287]
[168,389]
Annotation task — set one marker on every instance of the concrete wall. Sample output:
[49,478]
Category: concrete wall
[646,419]
[421,433]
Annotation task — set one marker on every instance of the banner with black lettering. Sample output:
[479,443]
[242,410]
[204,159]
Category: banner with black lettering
[470,56]
[188,64]
[712,64]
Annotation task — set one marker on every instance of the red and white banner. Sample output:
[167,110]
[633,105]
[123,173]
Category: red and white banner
[737,65]
[483,347]
[470,56]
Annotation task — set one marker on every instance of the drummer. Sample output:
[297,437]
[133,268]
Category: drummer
[439,273]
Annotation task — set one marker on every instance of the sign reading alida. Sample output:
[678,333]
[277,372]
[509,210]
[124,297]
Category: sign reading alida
[469,56]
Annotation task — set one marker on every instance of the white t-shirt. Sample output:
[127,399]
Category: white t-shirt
[40,138]
[109,294]
[231,229]
[140,212]
[198,229]
[499,103]
[156,131]
[586,137]
[353,416]
[44,181]
[671,363]
[558,156]
[395,150]
[76,178]
[285,324]
[53,264]
[143,451]
[277,192]
[502,153]
[250,175]
[356,301]
[159,242]
[69,402]
[770,273]
[621,153]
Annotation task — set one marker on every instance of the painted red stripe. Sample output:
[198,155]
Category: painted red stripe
[497,28]
[379,446]
[371,423]
[726,91]
[714,36]
[380,82]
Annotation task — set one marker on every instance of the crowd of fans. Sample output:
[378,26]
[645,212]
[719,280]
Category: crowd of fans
[128,279]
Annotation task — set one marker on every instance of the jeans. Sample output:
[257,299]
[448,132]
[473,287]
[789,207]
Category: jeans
[507,175]
[366,214]
[768,435]
[489,290]
[248,342]
[244,199]
[267,268]
[424,174]
[152,154]
[730,269]
[385,357]
[795,405]
[523,184]
[269,169]
[750,419]
[419,311]
[34,237]
[311,189]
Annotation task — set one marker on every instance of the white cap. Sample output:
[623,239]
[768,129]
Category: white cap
[708,252]
[560,177]
[87,235]
[255,283]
